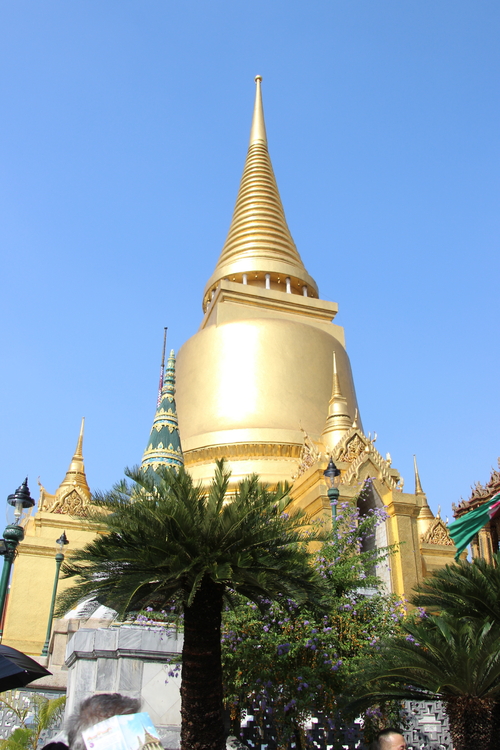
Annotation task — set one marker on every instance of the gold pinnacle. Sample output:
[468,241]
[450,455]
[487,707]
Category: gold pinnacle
[336,382]
[259,240]
[418,486]
[258,129]
[79,446]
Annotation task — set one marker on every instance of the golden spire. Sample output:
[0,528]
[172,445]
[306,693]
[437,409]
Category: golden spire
[425,516]
[258,129]
[338,421]
[355,420]
[78,454]
[259,241]
[418,486]
[75,476]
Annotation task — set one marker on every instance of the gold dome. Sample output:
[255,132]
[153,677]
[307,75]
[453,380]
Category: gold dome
[247,387]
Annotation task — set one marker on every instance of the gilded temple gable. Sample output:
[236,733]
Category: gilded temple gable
[350,447]
[437,533]
[310,454]
[70,503]
[357,449]
[73,494]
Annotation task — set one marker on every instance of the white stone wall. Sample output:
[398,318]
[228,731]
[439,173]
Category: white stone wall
[133,661]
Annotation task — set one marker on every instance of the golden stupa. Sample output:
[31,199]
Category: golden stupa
[265,383]
[258,373]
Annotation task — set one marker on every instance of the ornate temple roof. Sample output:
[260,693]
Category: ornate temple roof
[73,494]
[164,445]
[480,494]
[259,240]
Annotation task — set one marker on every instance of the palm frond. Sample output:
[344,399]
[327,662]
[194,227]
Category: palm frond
[160,534]
[463,588]
[439,657]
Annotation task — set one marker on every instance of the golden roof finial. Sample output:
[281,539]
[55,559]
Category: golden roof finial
[418,486]
[79,446]
[75,476]
[258,129]
[425,516]
[338,421]
[259,240]
[336,383]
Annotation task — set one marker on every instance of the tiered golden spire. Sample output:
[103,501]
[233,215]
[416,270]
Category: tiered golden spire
[73,494]
[75,476]
[425,516]
[338,421]
[259,240]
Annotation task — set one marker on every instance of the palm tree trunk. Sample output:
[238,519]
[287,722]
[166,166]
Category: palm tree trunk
[472,723]
[202,725]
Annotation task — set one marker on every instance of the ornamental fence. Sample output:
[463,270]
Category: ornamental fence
[428,729]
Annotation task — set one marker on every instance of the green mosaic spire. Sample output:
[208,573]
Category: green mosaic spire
[164,444]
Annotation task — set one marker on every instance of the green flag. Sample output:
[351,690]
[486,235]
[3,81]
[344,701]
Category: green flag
[464,529]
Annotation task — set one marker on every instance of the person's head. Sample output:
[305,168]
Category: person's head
[96,709]
[390,739]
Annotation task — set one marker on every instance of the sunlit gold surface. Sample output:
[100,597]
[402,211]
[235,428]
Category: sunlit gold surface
[339,418]
[34,569]
[254,386]
[258,373]
[259,240]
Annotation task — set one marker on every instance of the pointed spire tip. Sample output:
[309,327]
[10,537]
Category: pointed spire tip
[418,484]
[258,129]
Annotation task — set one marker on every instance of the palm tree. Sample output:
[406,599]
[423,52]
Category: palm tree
[446,658]
[464,589]
[41,714]
[164,538]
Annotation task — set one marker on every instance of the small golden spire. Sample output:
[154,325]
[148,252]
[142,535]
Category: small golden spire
[338,421]
[258,129]
[75,476]
[425,516]
[336,382]
[259,240]
[418,486]
[355,420]
[78,455]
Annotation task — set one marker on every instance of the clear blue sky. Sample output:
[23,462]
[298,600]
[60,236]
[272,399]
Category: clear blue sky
[124,130]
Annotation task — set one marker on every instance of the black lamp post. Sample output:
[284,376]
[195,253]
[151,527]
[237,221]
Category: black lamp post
[12,535]
[63,539]
[331,473]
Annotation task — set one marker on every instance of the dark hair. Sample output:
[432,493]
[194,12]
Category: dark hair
[95,709]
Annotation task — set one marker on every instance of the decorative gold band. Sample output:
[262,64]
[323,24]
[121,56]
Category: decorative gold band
[242,450]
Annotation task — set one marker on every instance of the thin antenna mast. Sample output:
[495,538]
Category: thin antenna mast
[162,366]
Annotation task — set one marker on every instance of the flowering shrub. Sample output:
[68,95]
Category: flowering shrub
[296,662]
